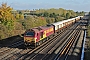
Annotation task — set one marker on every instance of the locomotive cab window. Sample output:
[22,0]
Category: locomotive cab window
[29,34]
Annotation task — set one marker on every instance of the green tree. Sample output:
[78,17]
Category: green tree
[46,14]
[67,15]
[53,15]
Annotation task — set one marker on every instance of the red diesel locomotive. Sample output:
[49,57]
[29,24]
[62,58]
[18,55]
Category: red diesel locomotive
[35,36]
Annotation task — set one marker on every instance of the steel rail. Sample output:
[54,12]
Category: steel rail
[82,54]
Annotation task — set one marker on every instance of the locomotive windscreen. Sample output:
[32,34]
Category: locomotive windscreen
[29,34]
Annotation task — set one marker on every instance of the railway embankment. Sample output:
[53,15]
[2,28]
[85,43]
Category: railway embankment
[87,45]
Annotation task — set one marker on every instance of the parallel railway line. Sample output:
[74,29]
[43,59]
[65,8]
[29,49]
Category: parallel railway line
[66,48]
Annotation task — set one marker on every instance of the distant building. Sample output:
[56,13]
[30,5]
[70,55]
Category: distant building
[24,12]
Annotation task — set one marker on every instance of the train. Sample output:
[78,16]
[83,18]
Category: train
[38,35]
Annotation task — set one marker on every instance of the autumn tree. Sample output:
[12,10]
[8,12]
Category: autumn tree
[6,16]
[17,16]
[21,16]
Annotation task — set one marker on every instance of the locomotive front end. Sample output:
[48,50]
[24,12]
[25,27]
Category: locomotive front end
[29,38]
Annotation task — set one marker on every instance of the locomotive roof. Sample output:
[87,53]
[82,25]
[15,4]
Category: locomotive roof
[41,28]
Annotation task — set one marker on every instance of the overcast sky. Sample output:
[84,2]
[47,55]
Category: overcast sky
[76,5]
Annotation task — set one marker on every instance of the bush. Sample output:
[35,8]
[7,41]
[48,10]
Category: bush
[3,32]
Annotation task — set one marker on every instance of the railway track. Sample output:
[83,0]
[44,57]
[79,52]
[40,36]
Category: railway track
[63,53]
